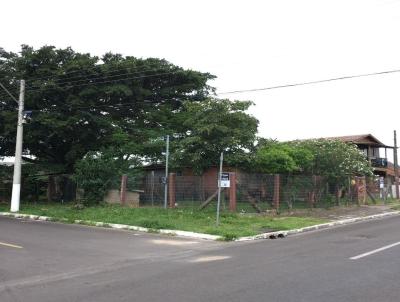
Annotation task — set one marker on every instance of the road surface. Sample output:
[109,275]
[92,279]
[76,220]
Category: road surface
[45,261]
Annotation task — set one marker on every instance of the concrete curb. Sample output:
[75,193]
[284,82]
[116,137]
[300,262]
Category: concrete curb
[270,235]
[117,226]
[282,234]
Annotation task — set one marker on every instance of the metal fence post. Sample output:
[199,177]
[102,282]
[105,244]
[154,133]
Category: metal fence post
[276,198]
[124,180]
[232,192]
[172,189]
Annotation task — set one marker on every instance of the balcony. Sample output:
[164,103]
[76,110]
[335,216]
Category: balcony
[379,162]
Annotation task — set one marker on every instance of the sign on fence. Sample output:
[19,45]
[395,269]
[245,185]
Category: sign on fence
[381,182]
[224,180]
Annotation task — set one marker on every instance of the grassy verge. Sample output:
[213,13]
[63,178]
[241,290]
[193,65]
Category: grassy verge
[232,225]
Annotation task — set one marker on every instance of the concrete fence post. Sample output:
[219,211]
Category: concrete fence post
[232,192]
[172,190]
[312,198]
[277,185]
[124,180]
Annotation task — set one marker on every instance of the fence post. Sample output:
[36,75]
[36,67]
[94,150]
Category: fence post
[361,188]
[172,189]
[312,195]
[232,192]
[122,196]
[276,198]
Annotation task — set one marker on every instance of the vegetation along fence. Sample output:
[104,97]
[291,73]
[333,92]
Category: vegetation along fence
[248,192]
[251,193]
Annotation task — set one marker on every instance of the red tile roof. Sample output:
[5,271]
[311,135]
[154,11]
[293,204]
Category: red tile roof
[367,139]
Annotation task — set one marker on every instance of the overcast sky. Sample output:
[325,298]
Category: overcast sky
[247,44]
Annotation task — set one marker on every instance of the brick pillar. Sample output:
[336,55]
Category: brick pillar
[361,190]
[172,190]
[232,192]
[124,180]
[277,184]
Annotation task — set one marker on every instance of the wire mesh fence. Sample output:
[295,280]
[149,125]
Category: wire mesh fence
[5,183]
[248,192]
[252,193]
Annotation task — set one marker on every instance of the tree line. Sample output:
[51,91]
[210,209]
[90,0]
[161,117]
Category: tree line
[95,116]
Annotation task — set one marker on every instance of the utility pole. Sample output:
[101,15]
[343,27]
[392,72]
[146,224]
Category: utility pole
[219,186]
[16,190]
[166,174]
[396,167]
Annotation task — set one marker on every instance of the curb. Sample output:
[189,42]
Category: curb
[186,234]
[116,226]
[282,234]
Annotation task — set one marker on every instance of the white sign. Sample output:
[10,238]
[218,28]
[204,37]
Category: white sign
[224,180]
[381,182]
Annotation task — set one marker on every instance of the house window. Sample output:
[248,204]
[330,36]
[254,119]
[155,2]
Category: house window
[375,152]
[365,152]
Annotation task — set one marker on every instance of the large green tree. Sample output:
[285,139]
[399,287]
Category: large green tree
[84,103]
[207,128]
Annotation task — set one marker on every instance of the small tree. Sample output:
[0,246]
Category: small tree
[336,160]
[282,158]
[99,172]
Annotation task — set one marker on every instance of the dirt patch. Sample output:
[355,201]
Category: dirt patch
[343,212]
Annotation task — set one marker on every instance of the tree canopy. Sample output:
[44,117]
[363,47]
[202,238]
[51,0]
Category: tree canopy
[121,105]
[82,103]
[210,127]
[275,157]
[333,159]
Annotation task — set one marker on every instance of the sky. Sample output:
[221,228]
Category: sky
[246,44]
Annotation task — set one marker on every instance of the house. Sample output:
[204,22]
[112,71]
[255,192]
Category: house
[374,150]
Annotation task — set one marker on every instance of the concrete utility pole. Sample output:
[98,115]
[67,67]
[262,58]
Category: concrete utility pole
[396,167]
[166,174]
[219,186]
[16,190]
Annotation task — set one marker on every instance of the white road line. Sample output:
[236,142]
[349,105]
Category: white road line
[375,251]
[11,245]
[209,259]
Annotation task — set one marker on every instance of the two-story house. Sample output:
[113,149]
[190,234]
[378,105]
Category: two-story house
[375,151]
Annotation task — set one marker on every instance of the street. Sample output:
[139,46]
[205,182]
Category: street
[44,261]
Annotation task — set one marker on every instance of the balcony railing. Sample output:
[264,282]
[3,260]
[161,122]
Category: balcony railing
[379,162]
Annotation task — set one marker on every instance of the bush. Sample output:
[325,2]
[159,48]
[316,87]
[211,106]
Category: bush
[99,172]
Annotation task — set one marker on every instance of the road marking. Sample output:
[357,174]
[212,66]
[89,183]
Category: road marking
[11,245]
[209,259]
[173,242]
[375,251]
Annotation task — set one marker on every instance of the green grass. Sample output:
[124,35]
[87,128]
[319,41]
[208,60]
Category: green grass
[232,225]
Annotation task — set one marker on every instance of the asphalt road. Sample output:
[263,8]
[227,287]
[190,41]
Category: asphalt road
[44,261]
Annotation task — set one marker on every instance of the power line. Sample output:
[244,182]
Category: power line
[310,82]
[111,105]
[102,82]
[117,105]
[84,69]
[8,92]
[95,68]
[103,77]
